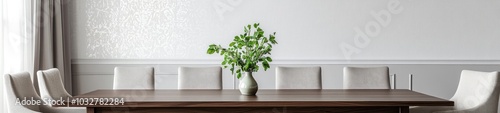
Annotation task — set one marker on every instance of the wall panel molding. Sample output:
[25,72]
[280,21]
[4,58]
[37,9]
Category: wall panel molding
[285,61]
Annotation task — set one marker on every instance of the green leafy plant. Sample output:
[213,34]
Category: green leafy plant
[246,51]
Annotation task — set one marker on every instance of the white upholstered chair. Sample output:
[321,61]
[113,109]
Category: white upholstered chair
[133,78]
[366,78]
[51,87]
[19,85]
[200,78]
[477,92]
[298,78]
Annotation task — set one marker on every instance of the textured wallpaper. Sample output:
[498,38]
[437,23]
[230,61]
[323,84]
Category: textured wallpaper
[142,28]
[306,29]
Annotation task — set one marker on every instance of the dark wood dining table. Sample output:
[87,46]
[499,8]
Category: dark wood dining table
[266,101]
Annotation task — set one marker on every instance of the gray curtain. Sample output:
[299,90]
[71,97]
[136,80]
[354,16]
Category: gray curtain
[50,46]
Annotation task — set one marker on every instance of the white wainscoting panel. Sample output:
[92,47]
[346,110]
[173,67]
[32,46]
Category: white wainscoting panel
[438,78]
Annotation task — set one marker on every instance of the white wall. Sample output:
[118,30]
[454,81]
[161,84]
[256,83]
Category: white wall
[432,38]
[306,29]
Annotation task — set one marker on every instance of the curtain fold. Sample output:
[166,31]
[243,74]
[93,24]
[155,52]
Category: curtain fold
[50,48]
[16,40]
[3,104]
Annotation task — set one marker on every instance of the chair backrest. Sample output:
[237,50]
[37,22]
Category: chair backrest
[298,78]
[51,85]
[133,78]
[479,90]
[366,78]
[19,86]
[200,78]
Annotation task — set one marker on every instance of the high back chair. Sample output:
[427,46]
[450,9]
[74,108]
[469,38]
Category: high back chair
[477,92]
[366,78]
[200,78]
[298,78]
[133,78]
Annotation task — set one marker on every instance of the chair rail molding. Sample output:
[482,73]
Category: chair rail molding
[290,61]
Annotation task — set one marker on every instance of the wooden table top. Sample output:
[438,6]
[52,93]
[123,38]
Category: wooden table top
[266,98]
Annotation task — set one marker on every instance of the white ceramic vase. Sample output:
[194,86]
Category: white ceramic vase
[248,85]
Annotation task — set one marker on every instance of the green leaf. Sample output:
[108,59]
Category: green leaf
[238,73]
[222,52]
[240,45]
[272,38]
[269,46]
[269,59]
[246,67]
[247,38]
[265,64]
[232,43]
[251,43]
[256,34]
[210,51]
